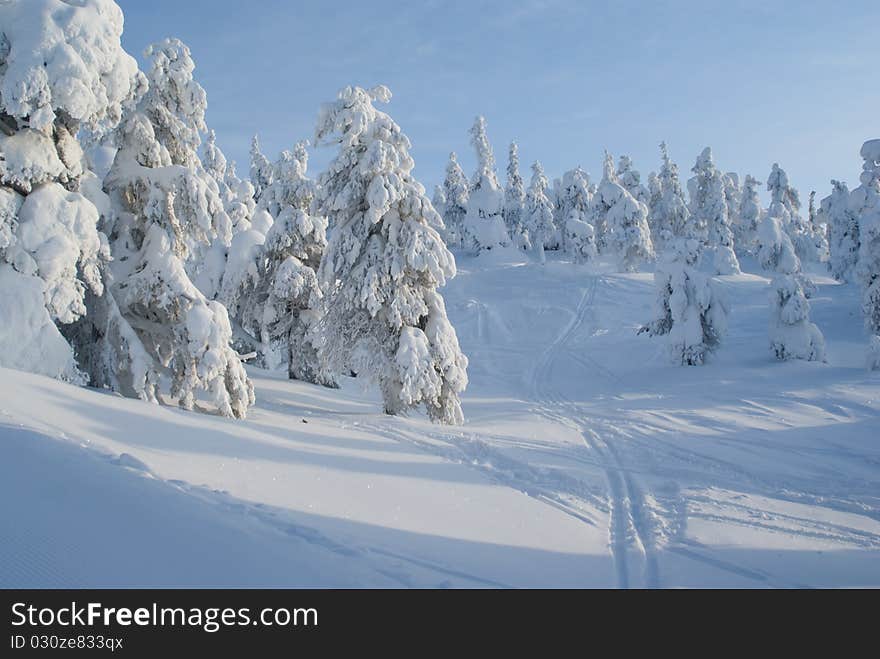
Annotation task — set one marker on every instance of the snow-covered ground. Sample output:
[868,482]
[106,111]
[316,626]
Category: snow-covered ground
[587,460]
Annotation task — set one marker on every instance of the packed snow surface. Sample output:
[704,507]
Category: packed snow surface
[587,459]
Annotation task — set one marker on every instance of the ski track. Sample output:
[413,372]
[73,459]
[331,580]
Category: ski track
[628,525]
[640,522]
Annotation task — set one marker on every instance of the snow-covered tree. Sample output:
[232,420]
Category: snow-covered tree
[455,189]
[483,224]
[237,199]
[515,200]
[774,248]
[624,220]
[63,73]
[809,243]
[575,200]
[236,194]
[843,230]
[749,215]
[669,215]
[539,210]
[384,263]
[812,213]
[866,201]
[599,207]
[275,294]
[556,195]
[709,213]
[655,209]
[792,335]
[733,190]
[690,310]
[165,207]
[288,185]
[438,200]
[631,180]
[261,169]
[284,303]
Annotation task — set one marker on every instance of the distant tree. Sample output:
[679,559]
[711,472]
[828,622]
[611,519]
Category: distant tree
[746,229]
[670,216]
[514,201]
[483,225]
[733,190]
[843,230]
[455,189]
[539,210]
[261,168]
[809,244]
[709,218]
[689,309]
[625,221]
[579,237]
[792,335]
[631,180]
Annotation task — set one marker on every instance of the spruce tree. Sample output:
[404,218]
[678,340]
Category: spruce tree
[384,263]
[165,209]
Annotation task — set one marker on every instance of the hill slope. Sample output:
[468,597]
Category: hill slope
[587,460]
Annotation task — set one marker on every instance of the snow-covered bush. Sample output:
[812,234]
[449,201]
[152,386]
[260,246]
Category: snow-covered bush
[624,219]
[384,263]
[455,189]
[792,335]
[483,224]
[166,209]
[62,70]
[868,268]
[709,214]
[539,210]
[689,309]
[515,201]
[843,231]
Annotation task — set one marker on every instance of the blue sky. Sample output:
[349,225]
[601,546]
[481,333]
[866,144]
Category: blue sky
[760,82]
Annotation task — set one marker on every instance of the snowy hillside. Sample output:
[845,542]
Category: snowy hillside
[586,459]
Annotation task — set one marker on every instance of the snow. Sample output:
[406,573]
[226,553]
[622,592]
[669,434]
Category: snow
[28,337]
[586,459]
[870,151]
[64,57]
[28,159]
[57,236]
